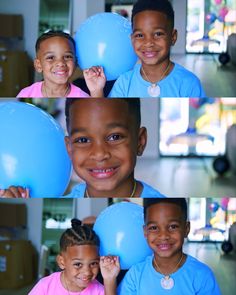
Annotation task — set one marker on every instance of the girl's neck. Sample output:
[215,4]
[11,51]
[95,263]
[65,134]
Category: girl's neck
[65,283]
[55,90]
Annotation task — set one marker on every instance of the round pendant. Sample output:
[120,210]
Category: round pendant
[154,90]
[167,283]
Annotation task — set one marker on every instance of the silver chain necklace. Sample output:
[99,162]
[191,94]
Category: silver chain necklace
[154,89]
[131,196]
[167,282]
[64,95]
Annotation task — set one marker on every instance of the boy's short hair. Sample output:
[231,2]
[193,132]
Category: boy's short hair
[51,34]
[181,202]
[163,6]
[133,105]
[77,235]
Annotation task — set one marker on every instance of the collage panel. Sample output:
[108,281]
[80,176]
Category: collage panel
[119,147]
[133,195]
[142,48]
[142,246]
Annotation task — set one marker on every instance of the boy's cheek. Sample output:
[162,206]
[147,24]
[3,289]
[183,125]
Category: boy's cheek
[68,146]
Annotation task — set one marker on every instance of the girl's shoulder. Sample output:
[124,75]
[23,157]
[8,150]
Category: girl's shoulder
[76,92]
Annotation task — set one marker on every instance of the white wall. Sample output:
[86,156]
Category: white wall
[149,119]
[180,8]
[82,9]
[30,11]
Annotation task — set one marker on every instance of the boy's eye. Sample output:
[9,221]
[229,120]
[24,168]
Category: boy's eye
[138,35]
[173,226]
[152,228]
[114,137]
[81,140]
[159,34]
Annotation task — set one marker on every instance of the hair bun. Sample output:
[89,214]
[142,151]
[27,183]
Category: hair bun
[75,223]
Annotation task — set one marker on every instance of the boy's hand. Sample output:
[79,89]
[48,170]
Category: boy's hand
[95,80]
[110,267]
[15,192]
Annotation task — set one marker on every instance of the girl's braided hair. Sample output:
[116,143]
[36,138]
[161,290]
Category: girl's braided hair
[78,234]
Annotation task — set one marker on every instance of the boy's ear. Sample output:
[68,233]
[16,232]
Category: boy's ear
[37,65]
[145,231]
[187,229]
[68,145]
[142,140]
[174,37]
[60,261]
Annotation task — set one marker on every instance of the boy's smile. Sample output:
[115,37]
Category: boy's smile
[165,231]
[152,37]
[103,143]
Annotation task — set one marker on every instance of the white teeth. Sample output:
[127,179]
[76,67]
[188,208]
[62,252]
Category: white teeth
[102,170]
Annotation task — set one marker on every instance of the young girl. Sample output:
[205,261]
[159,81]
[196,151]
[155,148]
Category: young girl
[79,261]
[56,60]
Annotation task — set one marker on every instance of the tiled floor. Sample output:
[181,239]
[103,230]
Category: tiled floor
[185,177]
[217,80]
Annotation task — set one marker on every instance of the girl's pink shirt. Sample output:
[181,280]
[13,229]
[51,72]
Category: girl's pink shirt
[52,285]
[35,91]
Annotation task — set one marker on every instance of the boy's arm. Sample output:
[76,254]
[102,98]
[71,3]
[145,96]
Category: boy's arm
[15,192]
[110,268]
[95,80]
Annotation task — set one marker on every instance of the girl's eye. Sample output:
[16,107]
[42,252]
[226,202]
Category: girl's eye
[94,264]
[50,57]
[78,264]
[114,137]
[69,56]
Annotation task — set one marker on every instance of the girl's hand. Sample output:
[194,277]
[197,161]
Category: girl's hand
[109,266]
[15,192]
[95,80]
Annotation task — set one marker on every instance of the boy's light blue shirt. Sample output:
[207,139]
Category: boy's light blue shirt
[179,83]
[193,278]
[148,192]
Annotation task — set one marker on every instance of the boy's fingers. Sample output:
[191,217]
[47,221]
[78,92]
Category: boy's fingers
[24,192]
[2,191]
[15,191]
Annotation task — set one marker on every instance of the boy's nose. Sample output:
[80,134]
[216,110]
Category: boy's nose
[163,234]
[100,152]
[149,42]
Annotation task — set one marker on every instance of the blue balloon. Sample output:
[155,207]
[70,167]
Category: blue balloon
[32,150]
[104,40]
[120,229]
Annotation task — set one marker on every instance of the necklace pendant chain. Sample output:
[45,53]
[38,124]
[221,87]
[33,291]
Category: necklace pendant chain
[154,89]
[64,95]
[167,282]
